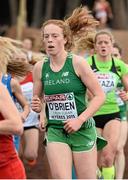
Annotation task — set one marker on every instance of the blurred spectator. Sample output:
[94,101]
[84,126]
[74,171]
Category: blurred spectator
[28,45]
[102,12]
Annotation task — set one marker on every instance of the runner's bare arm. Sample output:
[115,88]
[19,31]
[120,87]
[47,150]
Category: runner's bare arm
[87,76]
[12,123]
[37,88]
[38,104]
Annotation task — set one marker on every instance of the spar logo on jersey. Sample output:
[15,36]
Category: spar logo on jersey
[69,97]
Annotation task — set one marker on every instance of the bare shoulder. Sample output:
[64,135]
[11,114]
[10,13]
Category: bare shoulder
[79,61]
[80,65]
[37,70]
[38,67]
[14,84]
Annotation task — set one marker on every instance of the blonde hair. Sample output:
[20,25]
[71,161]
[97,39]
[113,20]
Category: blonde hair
[37,57]
[16,43]
[85,42]
[8,62]
[79,22]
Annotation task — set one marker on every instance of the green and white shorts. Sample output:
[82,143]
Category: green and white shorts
[83,140]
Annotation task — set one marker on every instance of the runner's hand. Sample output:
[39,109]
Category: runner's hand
[123,95]
[42,123]
[72,125]
[23,117]
[36,104]
[42,126]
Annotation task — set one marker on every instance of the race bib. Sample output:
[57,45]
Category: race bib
[107,81]
[61,106]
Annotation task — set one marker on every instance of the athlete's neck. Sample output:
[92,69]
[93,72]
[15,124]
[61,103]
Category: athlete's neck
[103,58]
[57,62]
